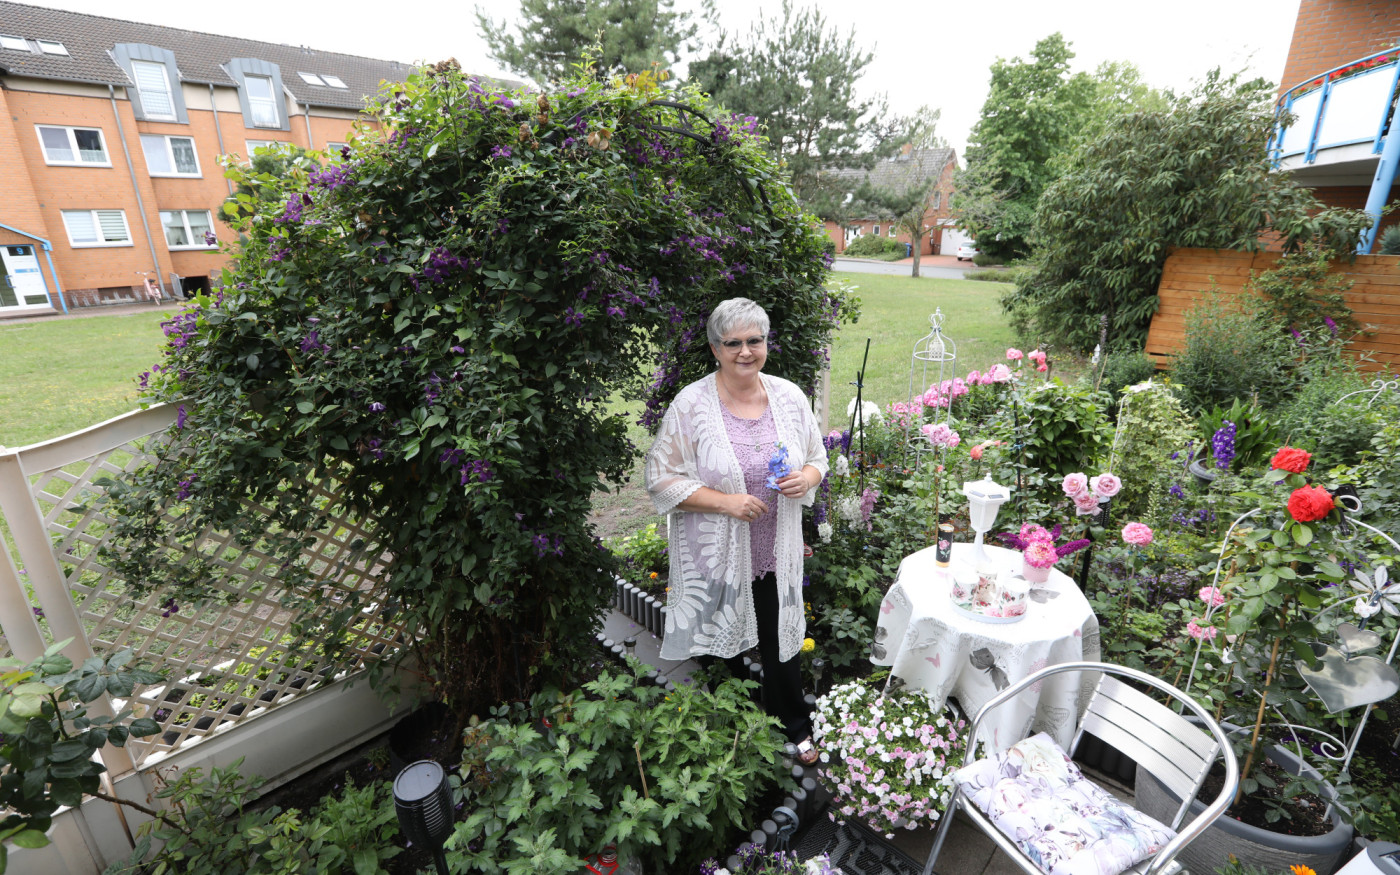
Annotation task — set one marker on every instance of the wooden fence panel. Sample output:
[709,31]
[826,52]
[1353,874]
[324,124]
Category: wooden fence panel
[1193,276]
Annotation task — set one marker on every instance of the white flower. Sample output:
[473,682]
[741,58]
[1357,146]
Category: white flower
[1366,608]
[869,412]
[842,466]
[824,530]
[849,508]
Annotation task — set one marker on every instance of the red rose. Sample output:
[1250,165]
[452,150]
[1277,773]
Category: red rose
[1309,503]
[1291,459]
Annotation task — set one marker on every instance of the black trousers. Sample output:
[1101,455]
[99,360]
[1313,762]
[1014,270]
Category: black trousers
[782,681]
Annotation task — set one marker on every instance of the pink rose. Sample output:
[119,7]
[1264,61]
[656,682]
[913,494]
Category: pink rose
[1013,355]
[1038,356]
[974,377]
[1075,483]
[999,373]
[1086,503]
[1212,596]
[1199,632]
[1137,534]
[1105,485]
[1042,367]
[1040,554]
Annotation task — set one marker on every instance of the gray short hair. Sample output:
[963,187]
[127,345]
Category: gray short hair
[735,313]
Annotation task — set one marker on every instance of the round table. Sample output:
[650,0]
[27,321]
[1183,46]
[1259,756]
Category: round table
[929,644]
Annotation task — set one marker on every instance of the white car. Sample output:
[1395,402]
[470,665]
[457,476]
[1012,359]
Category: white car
[967,251]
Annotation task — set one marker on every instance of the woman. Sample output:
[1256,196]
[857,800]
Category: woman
[735,541]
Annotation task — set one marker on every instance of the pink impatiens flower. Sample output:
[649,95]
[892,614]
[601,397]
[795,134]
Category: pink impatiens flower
[1137,534]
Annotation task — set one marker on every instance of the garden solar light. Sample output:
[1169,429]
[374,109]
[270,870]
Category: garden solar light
[424,805]
[984,499]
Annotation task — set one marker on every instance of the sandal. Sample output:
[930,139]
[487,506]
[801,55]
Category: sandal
[807,753]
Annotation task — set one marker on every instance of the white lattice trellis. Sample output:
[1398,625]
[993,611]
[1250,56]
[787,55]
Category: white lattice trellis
[227,660]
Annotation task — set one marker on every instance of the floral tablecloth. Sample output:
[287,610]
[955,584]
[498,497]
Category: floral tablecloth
[928,644]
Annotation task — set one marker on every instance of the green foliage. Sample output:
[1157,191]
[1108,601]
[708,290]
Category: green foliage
[1035,112]
[641,553]
[986,259]
[663,776]
[1231,353]
[1256,433]
[1300,292]
[798,78]
[358,830]
[1336,432]
[1007,276]
[440,323]
[1152,427]
[48,739]
[259,180]
[872,246]
[1124,368]
[551,37]
[1062,429]
[1390,241]
[1196,174]
[209,829]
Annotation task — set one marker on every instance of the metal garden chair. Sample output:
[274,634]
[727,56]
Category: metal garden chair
[1176,751]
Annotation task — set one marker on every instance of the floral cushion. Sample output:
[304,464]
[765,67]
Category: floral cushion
[1065,823]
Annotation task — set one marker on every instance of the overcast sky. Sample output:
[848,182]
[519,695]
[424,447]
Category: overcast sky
[926,51]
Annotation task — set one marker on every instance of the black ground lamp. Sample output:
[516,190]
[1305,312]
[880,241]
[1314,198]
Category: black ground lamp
[424,805]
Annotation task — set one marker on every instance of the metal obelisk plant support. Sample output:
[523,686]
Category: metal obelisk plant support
[858,415]
[932,349]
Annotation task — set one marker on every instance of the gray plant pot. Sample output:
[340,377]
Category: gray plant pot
[1270,851]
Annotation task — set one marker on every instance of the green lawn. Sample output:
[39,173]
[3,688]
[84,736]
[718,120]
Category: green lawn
[895,313]
[66,374]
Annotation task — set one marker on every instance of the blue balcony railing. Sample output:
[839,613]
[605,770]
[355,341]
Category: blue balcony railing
[1348,105]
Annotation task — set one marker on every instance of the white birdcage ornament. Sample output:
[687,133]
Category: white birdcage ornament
[931,370]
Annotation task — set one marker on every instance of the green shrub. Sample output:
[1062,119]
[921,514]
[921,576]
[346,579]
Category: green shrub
[1062,428]
[1390,241]
[641,554]
[1335,433]
[1125,368]
[664,776]
[1152,427]
[871,246]
[1232,352]
[984,259]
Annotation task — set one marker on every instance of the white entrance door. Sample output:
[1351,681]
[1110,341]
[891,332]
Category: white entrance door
[23,284]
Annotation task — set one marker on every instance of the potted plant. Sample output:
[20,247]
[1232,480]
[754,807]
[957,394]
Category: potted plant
[888,760]
[1262,615]
[1039,552]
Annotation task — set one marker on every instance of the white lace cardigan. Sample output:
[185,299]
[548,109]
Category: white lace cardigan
[710,604]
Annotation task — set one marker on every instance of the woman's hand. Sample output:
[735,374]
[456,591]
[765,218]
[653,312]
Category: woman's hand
[745,507]
[795,485]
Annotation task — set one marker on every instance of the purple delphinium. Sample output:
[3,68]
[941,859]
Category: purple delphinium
[1223,445]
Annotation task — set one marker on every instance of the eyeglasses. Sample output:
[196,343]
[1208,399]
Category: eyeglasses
[751,343]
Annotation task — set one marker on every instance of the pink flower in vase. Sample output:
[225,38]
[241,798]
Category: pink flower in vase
[1040,554]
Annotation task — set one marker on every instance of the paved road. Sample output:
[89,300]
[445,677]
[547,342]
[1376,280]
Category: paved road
[896,268]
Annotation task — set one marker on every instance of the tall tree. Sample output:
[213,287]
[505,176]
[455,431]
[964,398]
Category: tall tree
[797,78]
[906,199]
[1194,174]
[633,35]
[1029,116]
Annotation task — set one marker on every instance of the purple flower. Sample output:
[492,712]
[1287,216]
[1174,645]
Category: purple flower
[477,469]
[186,487]
[1223,445]
[333,177]
[38,613]
[457,349]
[374,447]
[573,317]
[451,456]
[376,407]
[170,607]
[180,417]
[312,343]
[210,238]
[500,152]
[1331,326]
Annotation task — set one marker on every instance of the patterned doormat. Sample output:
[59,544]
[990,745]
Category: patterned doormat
[854,848]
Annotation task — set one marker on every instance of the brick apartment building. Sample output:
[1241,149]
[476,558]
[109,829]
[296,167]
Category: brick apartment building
[110,137]
[909,167]
[1342,81]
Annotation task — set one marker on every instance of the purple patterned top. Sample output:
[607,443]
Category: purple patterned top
[754,442]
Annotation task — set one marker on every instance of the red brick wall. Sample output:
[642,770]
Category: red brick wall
[1329,33]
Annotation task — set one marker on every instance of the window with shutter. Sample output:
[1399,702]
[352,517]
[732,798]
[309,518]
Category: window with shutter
[262,103]
[96,228]
[112,224]
[154,87]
